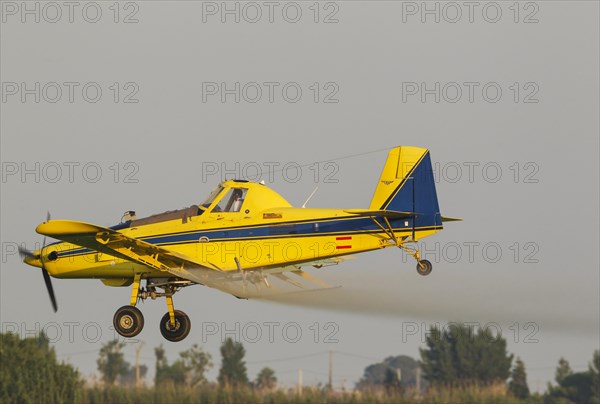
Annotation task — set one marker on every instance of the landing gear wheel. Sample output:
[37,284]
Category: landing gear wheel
[128,321]
[424,267]
[182,328]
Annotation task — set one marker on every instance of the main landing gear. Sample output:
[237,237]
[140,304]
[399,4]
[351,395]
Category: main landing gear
[128,321]
[175,324]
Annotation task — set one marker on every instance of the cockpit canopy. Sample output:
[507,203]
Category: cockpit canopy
[229,197]
[242,196]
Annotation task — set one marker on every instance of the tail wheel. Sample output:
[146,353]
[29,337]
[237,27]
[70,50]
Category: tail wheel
[424,267]
[176,333]
[128,321]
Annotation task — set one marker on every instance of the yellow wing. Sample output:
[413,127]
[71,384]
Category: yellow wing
[112,242]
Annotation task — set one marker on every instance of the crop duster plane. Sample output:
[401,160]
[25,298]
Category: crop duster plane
[244,239]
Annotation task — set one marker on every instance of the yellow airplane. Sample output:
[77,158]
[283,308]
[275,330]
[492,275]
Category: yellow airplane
[244,239]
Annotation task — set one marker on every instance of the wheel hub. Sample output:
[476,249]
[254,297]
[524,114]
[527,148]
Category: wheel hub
[126,321]
[170,328]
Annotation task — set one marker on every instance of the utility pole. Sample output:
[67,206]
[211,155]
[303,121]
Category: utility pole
[418,377]
[299,382]
[330,385]
[138,349]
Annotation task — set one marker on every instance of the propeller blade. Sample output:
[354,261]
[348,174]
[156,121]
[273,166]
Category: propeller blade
[47,280]
[50,289]
[24,252]
[47,216]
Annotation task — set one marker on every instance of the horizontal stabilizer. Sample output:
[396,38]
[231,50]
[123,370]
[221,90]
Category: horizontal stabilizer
[394,214]
[451,219]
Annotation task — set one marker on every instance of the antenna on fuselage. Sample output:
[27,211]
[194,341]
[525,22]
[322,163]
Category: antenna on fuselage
[310,196]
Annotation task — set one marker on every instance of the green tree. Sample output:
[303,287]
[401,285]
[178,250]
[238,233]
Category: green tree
[111,361]
[578,387]
[392,381]
[160,364]
[233,367]
[129,377]
[375,375]
[266,380]
[518,381]
[562,370]
[196,363]
[165,373]
[594,370]
[460,355]
[190,369]
[30,372]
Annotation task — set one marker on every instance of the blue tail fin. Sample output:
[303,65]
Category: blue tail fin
[407,185]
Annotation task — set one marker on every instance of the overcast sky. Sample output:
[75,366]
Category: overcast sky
[148,107]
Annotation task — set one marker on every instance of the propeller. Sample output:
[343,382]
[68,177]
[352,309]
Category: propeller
[25,253]
[50,288]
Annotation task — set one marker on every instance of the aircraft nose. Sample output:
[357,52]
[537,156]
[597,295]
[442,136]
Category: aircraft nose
[33,260]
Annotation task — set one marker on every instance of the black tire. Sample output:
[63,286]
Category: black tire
[424,267]
[183,325]
[128,321]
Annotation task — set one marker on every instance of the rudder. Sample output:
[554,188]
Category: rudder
[407,184]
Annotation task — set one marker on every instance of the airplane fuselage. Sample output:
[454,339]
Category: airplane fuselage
[279,237]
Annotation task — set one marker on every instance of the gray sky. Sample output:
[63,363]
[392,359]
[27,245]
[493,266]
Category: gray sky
[514,138]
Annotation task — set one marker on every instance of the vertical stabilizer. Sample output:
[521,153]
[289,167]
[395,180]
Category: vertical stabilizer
[407,185]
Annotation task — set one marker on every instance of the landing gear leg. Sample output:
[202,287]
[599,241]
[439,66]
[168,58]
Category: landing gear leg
[128,320]
[175,324]
[424,267]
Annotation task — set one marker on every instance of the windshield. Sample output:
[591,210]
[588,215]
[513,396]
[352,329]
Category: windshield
[232,201]
[211,197]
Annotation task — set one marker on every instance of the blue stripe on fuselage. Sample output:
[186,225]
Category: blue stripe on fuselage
[363,224]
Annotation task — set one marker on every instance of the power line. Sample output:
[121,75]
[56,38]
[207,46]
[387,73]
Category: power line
[358,356]
[77,353]
[287,358]
[261,173]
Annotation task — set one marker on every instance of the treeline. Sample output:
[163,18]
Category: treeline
[30,372]
[457,364]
